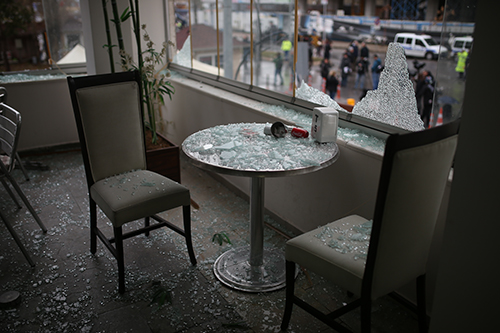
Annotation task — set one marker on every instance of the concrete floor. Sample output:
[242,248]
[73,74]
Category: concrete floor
[71,290]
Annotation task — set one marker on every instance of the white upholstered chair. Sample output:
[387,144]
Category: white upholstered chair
[414,173]
[109,118]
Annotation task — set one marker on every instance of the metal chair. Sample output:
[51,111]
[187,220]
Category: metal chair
[109,117]
[10,126]
[3,100]
[414,173]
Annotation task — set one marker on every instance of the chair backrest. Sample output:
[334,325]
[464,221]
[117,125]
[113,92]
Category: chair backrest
[415,170]
[3,95]
[109,118]
[10,128]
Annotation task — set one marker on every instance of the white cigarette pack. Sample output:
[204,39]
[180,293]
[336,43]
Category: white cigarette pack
[325,124]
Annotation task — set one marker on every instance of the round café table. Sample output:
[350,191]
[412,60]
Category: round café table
[243,149]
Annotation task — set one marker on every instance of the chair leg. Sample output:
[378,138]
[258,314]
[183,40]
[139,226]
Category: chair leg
[26,202]
[7,188]
[366,313]
[186,215]
[120,259]
[93,226]
[146,224]
[290,290]
[18,159]
[421,306]
[18,240]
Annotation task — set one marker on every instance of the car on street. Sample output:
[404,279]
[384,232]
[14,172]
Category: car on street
[420,46]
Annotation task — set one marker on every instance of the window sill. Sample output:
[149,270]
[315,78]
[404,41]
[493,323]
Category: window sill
[353,137]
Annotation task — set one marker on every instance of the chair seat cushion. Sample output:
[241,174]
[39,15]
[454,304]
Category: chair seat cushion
[134,195]
[336,251]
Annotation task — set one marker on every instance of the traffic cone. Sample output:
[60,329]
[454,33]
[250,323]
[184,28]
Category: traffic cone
[338,93]
[440,117]
[323,85]
[309,80]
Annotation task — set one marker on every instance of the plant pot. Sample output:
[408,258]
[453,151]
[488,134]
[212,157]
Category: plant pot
[163,158]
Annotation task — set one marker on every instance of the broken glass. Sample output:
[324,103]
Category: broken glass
[313,95]
[353,240]
[244,146]
[183,57]
[394,101]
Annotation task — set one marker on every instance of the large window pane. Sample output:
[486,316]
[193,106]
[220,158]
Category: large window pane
[341,34]
[240,30]
[273,28]
[458,27]
[38,34]
[64,29]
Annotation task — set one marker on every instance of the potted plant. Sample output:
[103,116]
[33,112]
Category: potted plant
[162,156]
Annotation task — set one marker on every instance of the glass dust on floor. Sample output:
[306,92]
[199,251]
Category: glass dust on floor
[71,290]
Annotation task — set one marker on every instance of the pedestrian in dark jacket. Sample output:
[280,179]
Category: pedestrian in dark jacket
[345,68]
[325,68]
[278,63]
[419,89]
[427,93]
[376,70]
[361,68]
[332,84]
[328,47]
[364,52]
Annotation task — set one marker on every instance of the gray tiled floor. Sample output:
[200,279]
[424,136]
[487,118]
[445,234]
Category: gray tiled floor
[71,290]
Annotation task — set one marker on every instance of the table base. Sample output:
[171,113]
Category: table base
[233,269]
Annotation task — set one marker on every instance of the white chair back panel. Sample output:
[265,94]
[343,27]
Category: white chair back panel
[112,122]
[418,179]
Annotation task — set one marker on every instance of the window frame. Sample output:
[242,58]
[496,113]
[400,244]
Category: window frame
[346,119]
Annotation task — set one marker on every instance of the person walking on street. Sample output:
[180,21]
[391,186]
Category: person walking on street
[345,68]
[278,64]
[286,46]
[364,52]
[332,84]
[328,47]
[361,68]
[355,51]
[325,68]
[420,87]
[427,94]
[376,70]
[462,60]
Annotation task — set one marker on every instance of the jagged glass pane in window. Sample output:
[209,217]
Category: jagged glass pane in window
[394,101]
[183,56]
[310,94]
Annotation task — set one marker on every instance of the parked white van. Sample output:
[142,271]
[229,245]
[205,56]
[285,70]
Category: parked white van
[459,44]
[422,46]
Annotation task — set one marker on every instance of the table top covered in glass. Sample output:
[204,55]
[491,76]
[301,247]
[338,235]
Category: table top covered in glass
[243,149]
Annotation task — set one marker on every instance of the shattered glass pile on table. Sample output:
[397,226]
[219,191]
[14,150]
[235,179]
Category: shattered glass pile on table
[393,102]
[244,146]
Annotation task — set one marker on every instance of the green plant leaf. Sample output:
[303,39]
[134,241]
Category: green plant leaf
[221,238]
[126,14]
[161,296]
